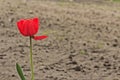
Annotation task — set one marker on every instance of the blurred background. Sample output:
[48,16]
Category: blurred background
[83,42]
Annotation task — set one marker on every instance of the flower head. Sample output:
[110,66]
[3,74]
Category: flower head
[29,27]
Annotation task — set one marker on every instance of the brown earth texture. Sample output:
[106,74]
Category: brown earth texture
[83,42]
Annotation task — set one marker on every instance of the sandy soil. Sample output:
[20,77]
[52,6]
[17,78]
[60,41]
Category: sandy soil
[83,43]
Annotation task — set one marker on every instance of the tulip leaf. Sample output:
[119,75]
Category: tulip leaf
[19,70]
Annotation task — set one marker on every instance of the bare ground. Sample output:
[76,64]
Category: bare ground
[83,43]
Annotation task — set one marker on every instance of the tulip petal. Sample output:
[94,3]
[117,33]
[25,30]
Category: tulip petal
[26,27]
[31,29]
[39,37]
[36,24]
[20,25]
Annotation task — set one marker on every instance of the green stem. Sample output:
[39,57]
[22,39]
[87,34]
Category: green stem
[31,60]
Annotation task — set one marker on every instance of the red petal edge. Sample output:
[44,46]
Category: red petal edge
[39,37]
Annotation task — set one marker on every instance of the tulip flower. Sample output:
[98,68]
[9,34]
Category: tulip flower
[28,28]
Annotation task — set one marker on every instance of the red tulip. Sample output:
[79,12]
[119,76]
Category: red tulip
[29,27]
